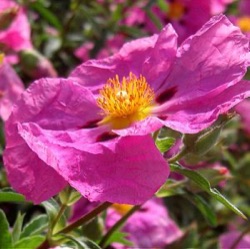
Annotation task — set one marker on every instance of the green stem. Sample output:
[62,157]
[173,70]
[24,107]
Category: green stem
[117,225]
[60,213]
[178,156]
[93,213]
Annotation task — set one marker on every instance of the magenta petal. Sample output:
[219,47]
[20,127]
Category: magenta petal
[214,58]
[30,176]
[149,227]
[54,104]
[17,36]
[141,56]
[197,114]
[120,170]
[11,87]
[227,240]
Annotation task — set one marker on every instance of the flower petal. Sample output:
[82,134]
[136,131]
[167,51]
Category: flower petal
[138,57]
[121,170]
[197,114]
[214,58]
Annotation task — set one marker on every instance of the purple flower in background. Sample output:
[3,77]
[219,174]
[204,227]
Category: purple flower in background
[11,88]
[93,130]
[228,239]
[150,227]
[14,29]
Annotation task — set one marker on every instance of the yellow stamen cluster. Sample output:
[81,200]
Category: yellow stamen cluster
[176,10]
[1,58]
[244,23]
[125,102]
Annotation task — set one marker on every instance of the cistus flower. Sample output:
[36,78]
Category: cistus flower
[149,227]
[243,110]
[11,88]
[14,30]
[228,239]
[93,129]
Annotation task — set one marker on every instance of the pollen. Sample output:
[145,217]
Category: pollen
[125,102]
[244,23]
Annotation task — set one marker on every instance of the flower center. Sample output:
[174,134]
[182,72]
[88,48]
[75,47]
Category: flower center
[125,102]
[244,23]
[176,11]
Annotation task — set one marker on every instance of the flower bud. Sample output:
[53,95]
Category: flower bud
[36,65]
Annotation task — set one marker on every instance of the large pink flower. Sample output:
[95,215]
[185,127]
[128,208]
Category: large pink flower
[16,35]
[66,131]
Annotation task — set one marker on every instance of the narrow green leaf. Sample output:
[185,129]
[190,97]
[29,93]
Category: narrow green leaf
[31,242]
[11,197]
[5,236]
[204,208]
[46,14]
[170,188]
[204,184]
[35,226]
[17,228]
[119,237]
[164,144]
[52,209]
[81,243]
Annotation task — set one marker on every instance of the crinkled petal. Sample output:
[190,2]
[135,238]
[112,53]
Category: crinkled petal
[30,176]
[54,104]
[197,114]
[214,58]
[120,170]
[139,57]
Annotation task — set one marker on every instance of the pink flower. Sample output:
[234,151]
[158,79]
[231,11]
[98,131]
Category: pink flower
[227,240]
[16,36]
[112,46]
[150,227]
[243,109]
[93,132]
[219,6]
[11,88]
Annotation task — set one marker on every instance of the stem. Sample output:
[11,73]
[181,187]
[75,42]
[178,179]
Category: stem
[93,213]
[178,156]
[117,225]
[60,213]
[44,245]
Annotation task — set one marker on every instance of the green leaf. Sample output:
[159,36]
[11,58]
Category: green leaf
[164,144]
[204,184]
[31,242]
[119,237]
[46,14]
[35,226]
[52,209]
[5,236]
[17,228]
[204,208]
[81,243]
[170,188]
[11,197]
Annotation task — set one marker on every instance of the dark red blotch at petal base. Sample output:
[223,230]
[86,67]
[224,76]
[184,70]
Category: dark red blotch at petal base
[166,95]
